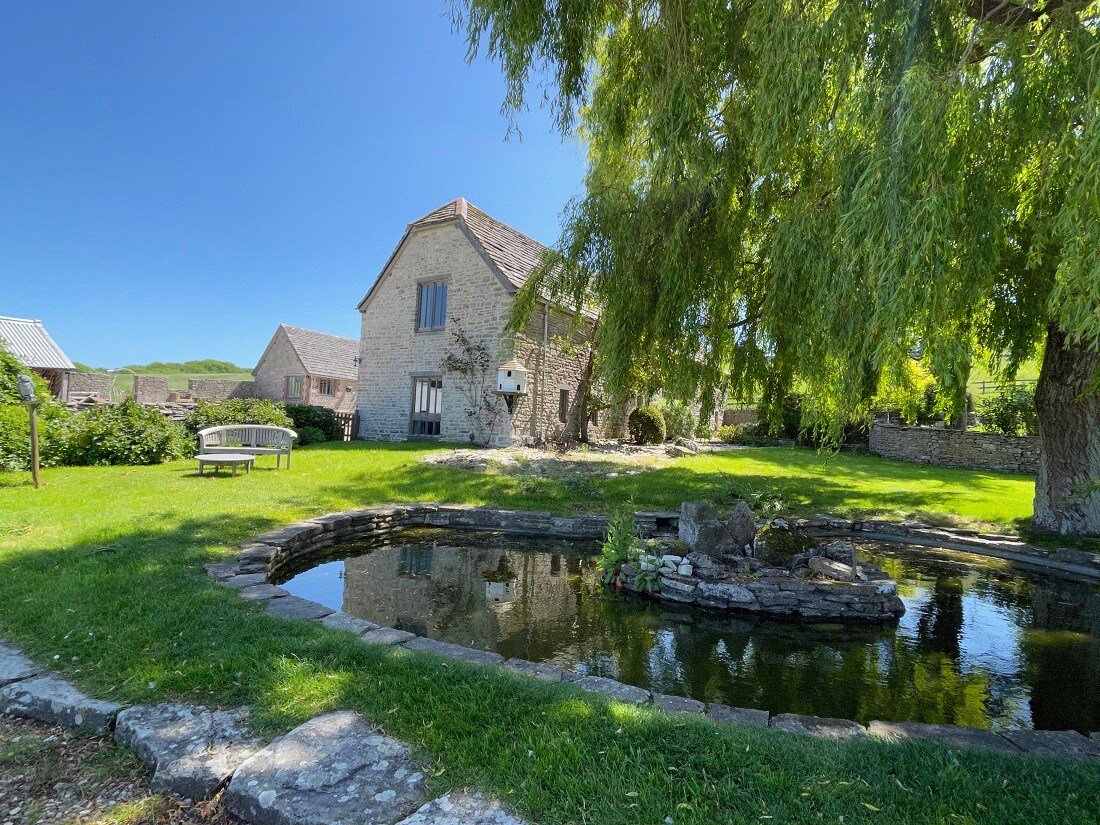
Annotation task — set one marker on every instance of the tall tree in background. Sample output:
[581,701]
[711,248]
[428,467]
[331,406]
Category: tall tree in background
[819,190]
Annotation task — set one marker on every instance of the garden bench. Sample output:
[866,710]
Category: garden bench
[251,439]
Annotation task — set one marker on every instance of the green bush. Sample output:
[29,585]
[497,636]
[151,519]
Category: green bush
[237,411]
[730,433]
[10,370]
[679,421]
[15,436]
[1010,410]
[646,425]
[315,418]
[311,435]
[126,433]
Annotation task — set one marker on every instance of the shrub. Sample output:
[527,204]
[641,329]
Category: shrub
[1010,410]
[237,411]
[15,436]
[703,430]
[646,425]
[10,370]
[311,435]
[618,545]
[321,419]
[679,421]
[126,433]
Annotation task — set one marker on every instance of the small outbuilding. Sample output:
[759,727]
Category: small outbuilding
[28,341]
[301,366]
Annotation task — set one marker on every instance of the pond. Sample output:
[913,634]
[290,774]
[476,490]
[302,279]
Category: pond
[981,643]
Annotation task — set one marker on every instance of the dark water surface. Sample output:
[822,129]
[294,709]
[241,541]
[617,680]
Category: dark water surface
[981,643]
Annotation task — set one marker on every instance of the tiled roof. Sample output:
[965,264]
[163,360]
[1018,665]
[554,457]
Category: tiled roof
[323,354]
[28,341]
[514,254]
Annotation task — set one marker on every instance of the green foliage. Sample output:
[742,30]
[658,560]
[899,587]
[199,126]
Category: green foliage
[618,545]
[15,436]
[10,370]
[679,421]
[646,425]
[808,194]
[205,366]
[311,435]
[317,418]
[125,433]
[1010,410]
[237,411]
[778,545]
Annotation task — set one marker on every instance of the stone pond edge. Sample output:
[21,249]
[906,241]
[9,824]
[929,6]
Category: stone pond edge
[267,554]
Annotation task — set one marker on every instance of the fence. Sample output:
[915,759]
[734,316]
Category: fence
[349,424]
[984,387]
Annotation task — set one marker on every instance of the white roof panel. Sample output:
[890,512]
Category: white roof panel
[28,341]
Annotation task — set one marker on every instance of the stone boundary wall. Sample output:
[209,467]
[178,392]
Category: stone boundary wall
[90,383]
[967,449]
[150,389]
[219,389]
[260,559]
[733,417]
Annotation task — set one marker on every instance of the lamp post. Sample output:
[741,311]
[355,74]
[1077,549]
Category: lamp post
[26,391]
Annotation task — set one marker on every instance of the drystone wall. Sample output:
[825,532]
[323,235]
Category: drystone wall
[967,449]
[151,389]
[219,389]
[89,383]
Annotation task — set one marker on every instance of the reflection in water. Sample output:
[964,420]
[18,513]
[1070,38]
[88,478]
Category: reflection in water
[980,644]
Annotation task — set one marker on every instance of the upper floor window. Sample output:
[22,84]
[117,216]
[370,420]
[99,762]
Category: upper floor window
[563,406]
[326,386]
[294,386]
[431,302]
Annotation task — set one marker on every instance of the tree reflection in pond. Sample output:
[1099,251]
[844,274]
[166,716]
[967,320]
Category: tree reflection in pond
[981,643]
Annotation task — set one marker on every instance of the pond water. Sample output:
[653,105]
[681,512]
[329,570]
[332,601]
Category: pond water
[981,643]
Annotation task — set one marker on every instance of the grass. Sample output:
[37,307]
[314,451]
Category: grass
[125,381]
[101,574]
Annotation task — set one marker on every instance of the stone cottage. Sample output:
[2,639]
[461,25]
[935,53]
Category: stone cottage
[32,346]
[458,268]
[301,366]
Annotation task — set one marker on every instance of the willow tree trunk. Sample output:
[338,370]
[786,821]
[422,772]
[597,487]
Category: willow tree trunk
[1067,489]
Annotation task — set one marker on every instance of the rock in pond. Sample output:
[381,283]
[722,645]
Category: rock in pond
[741,529]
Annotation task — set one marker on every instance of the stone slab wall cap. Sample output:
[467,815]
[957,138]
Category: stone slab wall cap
[333,769]
[244,580]
[14,666]
[259,592]
[221,570]
[388,636]
[1058,744]
[726,715]
[458,808]
[960,737]
[54,701]
[452,651]
[819,726]
[342,621]
[678,704]
[293,607]
[543,671]
[192,749]
[616,690]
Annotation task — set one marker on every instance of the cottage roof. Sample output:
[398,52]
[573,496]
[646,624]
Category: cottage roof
[323,354]
[28,341]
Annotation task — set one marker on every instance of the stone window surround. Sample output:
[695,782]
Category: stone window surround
[415,378]
[331,384]
[424,281]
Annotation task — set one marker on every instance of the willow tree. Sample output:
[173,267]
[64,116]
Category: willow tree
[821,191]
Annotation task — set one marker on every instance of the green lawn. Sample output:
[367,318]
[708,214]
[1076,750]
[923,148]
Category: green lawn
[101,574]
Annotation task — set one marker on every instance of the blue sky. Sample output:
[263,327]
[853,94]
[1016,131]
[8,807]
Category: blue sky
[176,179]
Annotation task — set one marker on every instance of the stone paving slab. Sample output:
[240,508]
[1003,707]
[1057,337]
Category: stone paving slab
[192,749]
[388,636]
[333,770]
[54,701]
[727,715]
[243,580]
[678,704]
[342,621]
[543,671]
[221,570]
[452,651]
[614,689]
[458,808]
[14,666]
[1059,744]
[819,726]
[293,607]
[259,592]
[955,735]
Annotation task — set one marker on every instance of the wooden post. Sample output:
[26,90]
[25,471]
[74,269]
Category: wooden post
[32,408]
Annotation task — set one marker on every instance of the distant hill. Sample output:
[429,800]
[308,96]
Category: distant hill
[208,366]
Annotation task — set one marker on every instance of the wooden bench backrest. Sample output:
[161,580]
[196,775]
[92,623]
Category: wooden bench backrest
[246,435]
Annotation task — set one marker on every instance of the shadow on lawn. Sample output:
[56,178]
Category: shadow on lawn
[132,616]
